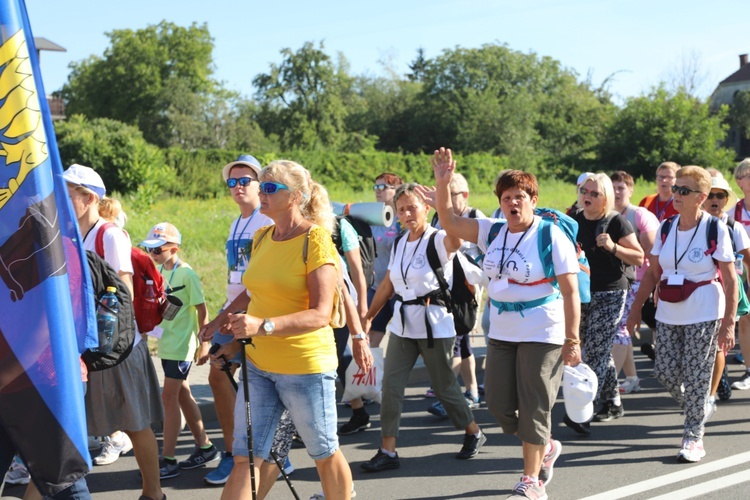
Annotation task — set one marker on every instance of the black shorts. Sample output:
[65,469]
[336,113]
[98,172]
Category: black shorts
[176,369]
[462,347]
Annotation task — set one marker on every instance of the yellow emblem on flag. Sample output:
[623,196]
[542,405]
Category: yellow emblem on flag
[24,141]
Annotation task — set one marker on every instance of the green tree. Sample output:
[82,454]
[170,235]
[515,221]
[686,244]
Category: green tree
[126,162]
[302,99]
[142,73]
[739,113]
[661,126]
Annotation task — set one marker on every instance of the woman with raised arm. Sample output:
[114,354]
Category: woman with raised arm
[533,322]
[695,308]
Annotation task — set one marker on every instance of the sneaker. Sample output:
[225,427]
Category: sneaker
[648,350]
[380,461]
[583,429]
[17,474]
[692,451]
[200,458]
[742,384]
[738,358]
[528,490]
[481,389]
[548,462]
[437,409]
[471,401]
[221,473]
[609,411]
[724,391]
[95,443]
[630,385]
[430,393]
[355,424]
[288,468]
[322,496]
[471,446]
[112,449]
[169,470]
[710,409]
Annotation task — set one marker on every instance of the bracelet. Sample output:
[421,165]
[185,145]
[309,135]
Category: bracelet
[359,336]
[572,341]
[614,250]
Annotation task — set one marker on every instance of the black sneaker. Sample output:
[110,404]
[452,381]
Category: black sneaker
[471,446]
[583,429]
[724,391]
[169,470]
[199,458]
[648,350]
[379,462]
[609,411]
[355,424]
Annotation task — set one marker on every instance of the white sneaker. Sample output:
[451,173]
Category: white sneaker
[710,409]
[630,385]
[112,450]
[17,474]
[95,443]
[321,496]
[692,451]
[742,384]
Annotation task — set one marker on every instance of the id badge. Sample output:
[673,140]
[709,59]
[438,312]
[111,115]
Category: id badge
[675,279]
[235,277]
[409,295]
[498,285]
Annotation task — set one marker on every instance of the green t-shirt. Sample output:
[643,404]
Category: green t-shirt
[180,337]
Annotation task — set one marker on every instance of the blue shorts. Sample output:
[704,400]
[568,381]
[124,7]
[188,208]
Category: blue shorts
[176,369]
[380,322]
[310,399]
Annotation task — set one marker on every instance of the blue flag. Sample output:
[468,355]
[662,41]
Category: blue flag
[47,313]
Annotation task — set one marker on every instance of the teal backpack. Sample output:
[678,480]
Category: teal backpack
[569,226]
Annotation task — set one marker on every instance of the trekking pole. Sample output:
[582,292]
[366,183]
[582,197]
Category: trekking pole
[248,417]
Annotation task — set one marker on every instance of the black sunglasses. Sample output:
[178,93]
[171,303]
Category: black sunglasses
[242,181]
[718,196]
[155,251]
[683,191]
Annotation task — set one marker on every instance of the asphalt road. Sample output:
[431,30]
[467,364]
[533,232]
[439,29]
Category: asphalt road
[633,457]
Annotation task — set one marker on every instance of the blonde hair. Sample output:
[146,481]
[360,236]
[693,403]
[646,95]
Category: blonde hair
[742,169]
[110,208]
[314,204]
[603,185]
[458,184]
[668,165]
[699,174]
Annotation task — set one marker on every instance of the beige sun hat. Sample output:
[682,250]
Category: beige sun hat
[721,183]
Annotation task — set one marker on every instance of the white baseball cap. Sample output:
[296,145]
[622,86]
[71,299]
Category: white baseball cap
[582,178]
[243,160]
[579,385]
[86,177]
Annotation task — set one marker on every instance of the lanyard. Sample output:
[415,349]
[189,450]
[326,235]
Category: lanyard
[505,240]
[405,272]
[176,265]
[235,241]
[676,231]
[659,213]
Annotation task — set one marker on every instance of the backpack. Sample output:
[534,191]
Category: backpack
[628,270]
[367,251]
[146,316]
[460,297]
[569,227]
[102,276]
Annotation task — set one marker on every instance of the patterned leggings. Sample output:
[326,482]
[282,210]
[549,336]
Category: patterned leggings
[599,320]
[685,356]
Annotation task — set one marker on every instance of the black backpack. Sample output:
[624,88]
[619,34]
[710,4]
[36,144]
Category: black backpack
[102,276]
[367,250]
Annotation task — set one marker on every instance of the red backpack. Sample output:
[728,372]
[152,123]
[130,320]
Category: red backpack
[147,309]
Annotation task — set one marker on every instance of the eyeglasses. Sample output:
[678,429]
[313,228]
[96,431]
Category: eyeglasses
[272,187]
[586,192]
[382,187]
[242,181]
[457,194]
[683,191]
[718,196]
[665,178]
[738,179]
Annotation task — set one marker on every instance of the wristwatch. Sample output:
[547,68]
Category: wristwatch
[359,336]
[268,326]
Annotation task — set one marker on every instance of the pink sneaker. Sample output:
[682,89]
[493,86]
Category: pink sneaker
[548,462]
[692,451]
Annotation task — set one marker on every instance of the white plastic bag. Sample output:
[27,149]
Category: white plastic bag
[365,385]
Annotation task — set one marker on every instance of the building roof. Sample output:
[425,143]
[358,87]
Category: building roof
[741,75]
[44,44]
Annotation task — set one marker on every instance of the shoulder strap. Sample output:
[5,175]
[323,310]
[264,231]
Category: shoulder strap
[730,224]
[604,223]
[473,213]
[305,245]
[434,260]
[435,220]
[494,231]
[99,243]
[712,234]
[666,227]
[545,247]
[738,210]
[630,213]
[260,237]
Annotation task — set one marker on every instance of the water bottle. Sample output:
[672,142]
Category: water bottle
[738,264]
[106,320]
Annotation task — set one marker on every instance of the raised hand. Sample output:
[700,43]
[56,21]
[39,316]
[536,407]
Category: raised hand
[443,165]
[428,195]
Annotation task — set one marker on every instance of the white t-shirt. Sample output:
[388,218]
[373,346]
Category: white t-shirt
[522,263]
[410,260]
[239,243]
[707,302]
[117,248]
[739,235]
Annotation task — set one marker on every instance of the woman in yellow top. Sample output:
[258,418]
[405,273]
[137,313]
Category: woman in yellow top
[292,358]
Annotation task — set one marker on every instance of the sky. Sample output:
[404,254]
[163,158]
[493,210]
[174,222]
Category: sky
[635,43]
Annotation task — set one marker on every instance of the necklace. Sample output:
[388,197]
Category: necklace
[287,235]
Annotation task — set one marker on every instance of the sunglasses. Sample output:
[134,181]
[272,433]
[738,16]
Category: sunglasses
[586,192]
[242,181]
[272,187]
[382,187]
[682,190]
[157,250]
[718,196]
